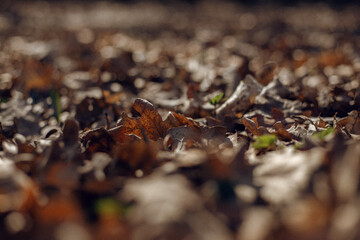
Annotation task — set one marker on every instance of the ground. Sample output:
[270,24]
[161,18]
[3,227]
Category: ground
[202,120]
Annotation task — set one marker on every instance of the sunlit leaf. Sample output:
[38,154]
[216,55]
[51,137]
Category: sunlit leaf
[217,99]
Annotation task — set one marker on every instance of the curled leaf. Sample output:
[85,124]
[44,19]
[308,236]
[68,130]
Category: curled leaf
[251,126]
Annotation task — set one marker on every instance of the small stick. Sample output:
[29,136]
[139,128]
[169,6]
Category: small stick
[107,118]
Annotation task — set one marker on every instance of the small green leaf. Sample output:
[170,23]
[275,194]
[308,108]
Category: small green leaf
[55,98]
[108,206]
[265,141]
[216,100]
[3,100]
[323,134]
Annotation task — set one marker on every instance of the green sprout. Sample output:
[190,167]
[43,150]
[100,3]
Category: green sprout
[323,134]
[55,99]
[265,141]
[108,206]
[111,206]
[315,139]
[217,99]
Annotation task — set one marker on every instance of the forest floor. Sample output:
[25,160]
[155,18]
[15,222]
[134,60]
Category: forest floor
[208,121]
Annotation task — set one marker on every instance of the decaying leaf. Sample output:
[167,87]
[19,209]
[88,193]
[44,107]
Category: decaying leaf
[240,99]
[162,202]
[149,124]
[281,132]
[136,155]
[37,75]
[267,73]
[84,156]
[251,126]
[284,174]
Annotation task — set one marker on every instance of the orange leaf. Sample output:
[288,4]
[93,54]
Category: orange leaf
[60,208]
[137,155]
[251,126]
[148,125]
[321,123]
[267,73]
[307,113]
[37,75]
[281,132]
[177,120]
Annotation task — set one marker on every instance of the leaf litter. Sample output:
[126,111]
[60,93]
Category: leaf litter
[121,123]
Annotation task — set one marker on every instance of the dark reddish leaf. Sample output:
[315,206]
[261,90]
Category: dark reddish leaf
[307,113]
[251,126]
[267,73]
[277,114]
[281,132]
[321,123]
[149,124]
[100,140]
[62,175]
[59,208]
[136,155]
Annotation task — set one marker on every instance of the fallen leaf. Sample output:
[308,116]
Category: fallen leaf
[281,132]
[136,155]
[267,142]
[149,124]
[282,175]
[251,126]
[277,114]
[240,99]
[267,73]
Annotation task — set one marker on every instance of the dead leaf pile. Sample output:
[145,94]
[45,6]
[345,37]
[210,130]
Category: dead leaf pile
[204,120]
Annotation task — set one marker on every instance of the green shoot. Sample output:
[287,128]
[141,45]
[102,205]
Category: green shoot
[265,141]
[323,134]
[108,206]
[217,99]
[55,98]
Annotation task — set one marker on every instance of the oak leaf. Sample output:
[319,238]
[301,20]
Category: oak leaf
[149,124]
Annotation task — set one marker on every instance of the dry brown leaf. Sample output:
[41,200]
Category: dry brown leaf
[192,90]
[281,132]
[241,98]
[137,155]
[177,120]
[111,98]
[100,140]
[267,73]
[307,113]
[277,114]
[331,58]
[37,75]
[59,208]
[321,123]
[148,125]
[251,126]
[62,175]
